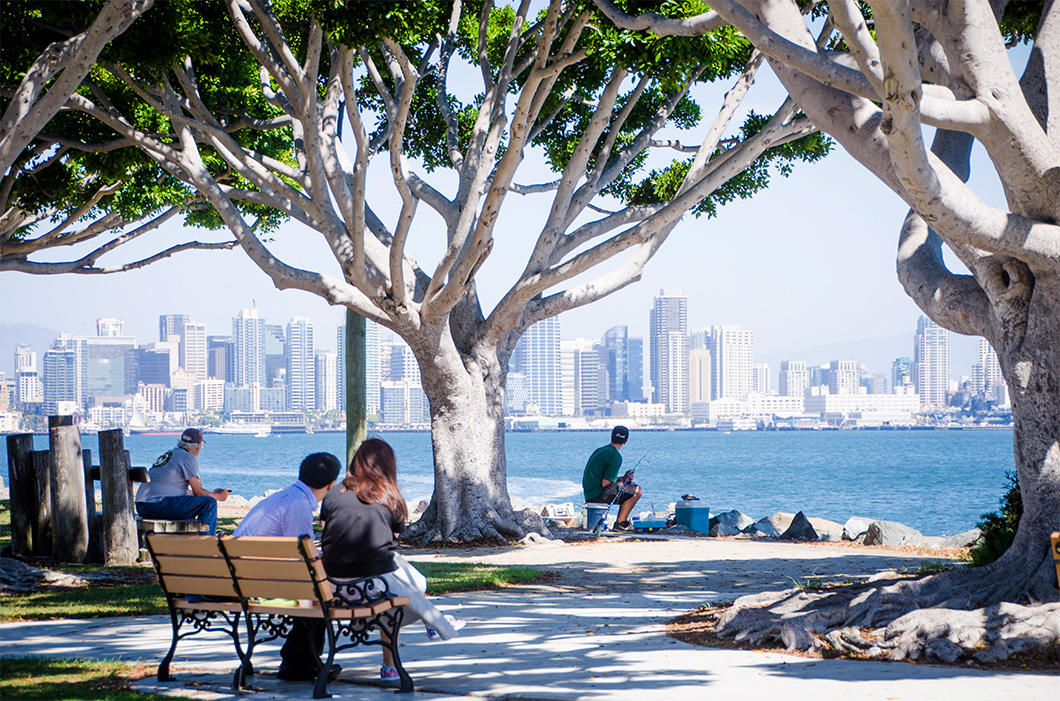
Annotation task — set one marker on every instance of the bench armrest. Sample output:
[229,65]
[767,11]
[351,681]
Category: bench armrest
[359,591]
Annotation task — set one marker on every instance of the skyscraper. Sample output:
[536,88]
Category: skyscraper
[301,365]
[636,369]
[732,353]
[61,373]
[590,377]
[986,370]
[901,373]
[668,336]
[699,375]
[931,362]
[537,356]
[110,327]
[220,358]
[275,355]
[760,378]
[28,386]
[794,378]
[843,377]
[326,382]
[616,354]
[191,337]
[248,334]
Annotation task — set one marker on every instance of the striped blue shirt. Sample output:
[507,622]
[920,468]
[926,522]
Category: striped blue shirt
[288,512]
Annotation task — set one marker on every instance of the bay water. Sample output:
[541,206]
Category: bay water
[938,482]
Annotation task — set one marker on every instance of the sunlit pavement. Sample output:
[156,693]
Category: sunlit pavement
[595,633]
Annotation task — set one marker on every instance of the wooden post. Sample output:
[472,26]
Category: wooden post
[42,509]
[69,511]
[22,482]
[119,526]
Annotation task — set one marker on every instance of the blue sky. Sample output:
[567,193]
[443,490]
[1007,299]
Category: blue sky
[807,263]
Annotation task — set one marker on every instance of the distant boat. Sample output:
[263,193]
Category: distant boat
[240,428]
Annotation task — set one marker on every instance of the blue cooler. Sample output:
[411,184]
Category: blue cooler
[593,514]
[694,514]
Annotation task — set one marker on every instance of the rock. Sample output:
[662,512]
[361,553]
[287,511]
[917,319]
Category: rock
[800,529]
[17,576]
[420,508]
[826,530]
[678,529]
[762,528]
[962,540]
[892,533]
[781,520]
[855,528]
[237,501]
[729,523]
[534,539]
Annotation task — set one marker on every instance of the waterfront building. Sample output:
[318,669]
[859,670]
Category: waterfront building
[760,378]
[668,347]
[931,362]
[794,378]
[868,409]
[153,396]
[403,403]
[901,373]
[843,377]
[272,398]
[537,355]
[327,398]
[248,336]
[177,400]
[732,355]
[242,399]
[110,327]
[208,395]
[699,375]
[638,410]
[516,394]
[301,365]
[873,382]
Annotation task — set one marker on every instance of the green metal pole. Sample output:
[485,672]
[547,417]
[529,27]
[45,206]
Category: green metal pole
[356,384]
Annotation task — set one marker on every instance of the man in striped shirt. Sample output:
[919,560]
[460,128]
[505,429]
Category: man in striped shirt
[289,513]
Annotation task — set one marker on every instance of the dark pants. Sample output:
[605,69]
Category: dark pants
[301,651]
[608,495]
[181,509]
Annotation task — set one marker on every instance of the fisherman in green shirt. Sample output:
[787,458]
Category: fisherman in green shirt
[601,483]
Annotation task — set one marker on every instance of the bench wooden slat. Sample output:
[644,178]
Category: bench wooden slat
[251,546]
[254,568]
[188,565]
[173,544]
[204,586]
[233,607]
[277,588]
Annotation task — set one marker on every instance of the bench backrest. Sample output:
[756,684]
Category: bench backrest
[284,568]
[190,564]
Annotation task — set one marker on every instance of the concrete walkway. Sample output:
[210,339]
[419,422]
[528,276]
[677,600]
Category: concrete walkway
[595,633]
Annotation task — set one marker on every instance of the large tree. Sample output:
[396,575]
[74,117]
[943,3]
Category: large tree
[600,107]
[895,71]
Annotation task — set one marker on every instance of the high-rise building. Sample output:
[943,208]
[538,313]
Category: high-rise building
[152,366]
[248,335]
[110,327]
[931,362]
[636,369]
[191,339]
[106,368]
[301,365]
[28,386]
[61,371]
[699,375]
[537,355]
[760,378]
[220,358]
[590,377]
[616,350]
[668,338]
[327,380]
[986,371]
[901,373]
[843,377]
[568,350]
[794,378]
[275,355]
[732,353]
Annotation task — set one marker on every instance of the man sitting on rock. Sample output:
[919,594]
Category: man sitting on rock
[601,483]
[174,474]
[289,513]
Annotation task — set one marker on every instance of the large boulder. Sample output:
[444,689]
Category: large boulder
[826,530]
[729,523]
[892,533]
[781,520]
[800,529]
[856,527]
[962,540]
[762,528]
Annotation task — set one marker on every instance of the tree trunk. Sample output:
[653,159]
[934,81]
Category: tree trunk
[470,499]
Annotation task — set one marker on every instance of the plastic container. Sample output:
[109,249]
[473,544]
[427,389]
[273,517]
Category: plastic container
[693,514]
[593,514]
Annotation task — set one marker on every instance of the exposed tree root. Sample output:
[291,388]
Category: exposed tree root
[901,619]
[492,526]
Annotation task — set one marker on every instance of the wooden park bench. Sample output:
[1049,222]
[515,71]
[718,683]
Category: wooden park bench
[236,574]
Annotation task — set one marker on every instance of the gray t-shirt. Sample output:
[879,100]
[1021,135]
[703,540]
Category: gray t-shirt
[169,476]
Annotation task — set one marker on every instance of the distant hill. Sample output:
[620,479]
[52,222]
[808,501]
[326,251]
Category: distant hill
[37,337]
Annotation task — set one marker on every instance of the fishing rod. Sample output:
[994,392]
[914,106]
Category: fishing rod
[627,479]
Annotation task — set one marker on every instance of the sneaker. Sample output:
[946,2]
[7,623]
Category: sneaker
[622,526]
[456,623]
[389,674]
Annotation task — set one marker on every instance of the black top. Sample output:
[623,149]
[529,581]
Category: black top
[358,538]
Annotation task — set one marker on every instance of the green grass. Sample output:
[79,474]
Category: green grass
[61,679]
[101,601]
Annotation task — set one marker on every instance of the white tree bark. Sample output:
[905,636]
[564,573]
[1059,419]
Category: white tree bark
[942,63]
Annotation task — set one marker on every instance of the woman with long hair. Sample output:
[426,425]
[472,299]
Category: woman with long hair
[361,523]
